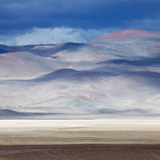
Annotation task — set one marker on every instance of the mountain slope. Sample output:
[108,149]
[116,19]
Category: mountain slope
[132,43]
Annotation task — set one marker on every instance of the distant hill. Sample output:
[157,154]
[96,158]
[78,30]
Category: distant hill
[7,112]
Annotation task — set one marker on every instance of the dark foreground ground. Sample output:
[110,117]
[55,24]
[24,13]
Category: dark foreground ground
[81,152]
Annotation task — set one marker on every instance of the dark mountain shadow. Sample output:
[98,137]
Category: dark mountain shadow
[59,74]
[2,51]
[71,47]
[11,113]
[8,49]
[8,112]
[137,62]
[70,74]
[42,52]
[114,111]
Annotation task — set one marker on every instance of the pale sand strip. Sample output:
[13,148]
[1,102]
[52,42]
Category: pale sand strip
[23,132]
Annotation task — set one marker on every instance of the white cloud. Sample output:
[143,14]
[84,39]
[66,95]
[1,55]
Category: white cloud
[54,35]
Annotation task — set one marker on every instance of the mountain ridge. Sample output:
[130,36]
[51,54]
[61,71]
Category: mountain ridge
[135,34]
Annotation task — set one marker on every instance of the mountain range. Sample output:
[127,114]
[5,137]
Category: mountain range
[118,73]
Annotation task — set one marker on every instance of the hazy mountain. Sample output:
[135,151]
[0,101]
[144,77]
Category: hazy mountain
[10,113]
[117,73]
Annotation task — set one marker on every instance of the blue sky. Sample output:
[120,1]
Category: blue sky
[59,21]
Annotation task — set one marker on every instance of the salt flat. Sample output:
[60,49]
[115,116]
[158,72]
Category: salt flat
[36,132]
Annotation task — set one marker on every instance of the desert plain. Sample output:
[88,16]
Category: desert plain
[44,132]
[80,139]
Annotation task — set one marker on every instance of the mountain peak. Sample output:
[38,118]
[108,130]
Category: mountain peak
[143,43]
[132,34]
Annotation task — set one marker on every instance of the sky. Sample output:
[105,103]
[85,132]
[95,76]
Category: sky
[59,21]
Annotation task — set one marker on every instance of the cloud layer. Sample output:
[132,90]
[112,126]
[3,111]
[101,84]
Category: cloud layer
[22,18]
[54,35]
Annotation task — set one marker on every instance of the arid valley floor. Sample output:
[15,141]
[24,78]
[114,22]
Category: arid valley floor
[80,139]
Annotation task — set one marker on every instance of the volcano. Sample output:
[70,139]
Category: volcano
[116,74]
